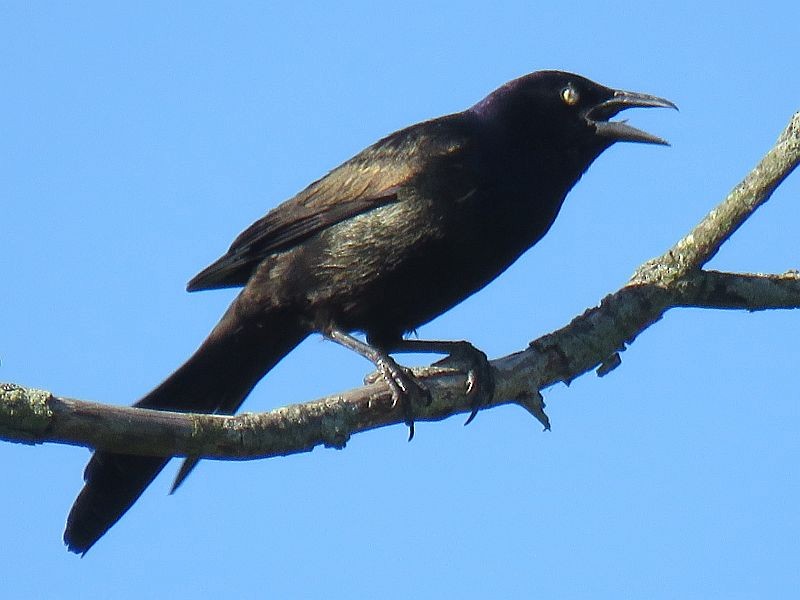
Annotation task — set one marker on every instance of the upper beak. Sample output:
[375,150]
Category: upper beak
[620,130]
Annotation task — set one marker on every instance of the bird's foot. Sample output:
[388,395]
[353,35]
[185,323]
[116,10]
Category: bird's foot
[405,388]
[465,357]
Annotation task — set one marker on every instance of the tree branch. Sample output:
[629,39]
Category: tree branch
[592,340]
[705,240]
[749,291]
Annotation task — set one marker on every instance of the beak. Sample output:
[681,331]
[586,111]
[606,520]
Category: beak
[620,131]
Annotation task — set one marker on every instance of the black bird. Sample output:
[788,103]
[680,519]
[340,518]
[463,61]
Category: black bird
[382,244]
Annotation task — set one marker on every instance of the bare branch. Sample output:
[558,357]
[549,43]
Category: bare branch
[593,340]
[749,291]
[705,240]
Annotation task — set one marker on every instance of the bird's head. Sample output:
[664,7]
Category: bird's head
[559,109]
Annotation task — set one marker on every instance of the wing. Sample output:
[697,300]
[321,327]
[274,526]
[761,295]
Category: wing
[372,178]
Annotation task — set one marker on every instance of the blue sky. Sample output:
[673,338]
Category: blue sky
[136,140]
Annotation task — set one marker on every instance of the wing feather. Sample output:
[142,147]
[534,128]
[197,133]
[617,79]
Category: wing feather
[372,178]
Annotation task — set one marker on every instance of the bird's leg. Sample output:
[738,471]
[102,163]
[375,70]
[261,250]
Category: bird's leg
[404,387]
[480,376]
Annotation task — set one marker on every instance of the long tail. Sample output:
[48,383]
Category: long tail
[217,378]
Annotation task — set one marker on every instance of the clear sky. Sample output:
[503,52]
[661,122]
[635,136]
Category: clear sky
[136,140]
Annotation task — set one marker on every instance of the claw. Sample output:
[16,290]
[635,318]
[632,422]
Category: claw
[403,386]
[405,390]
[472,415]
[480,379]
[464,357]
[472,382]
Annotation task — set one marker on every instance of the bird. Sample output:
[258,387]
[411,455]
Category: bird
[382,244]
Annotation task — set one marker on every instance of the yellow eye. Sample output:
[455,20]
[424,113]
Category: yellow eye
[569,95]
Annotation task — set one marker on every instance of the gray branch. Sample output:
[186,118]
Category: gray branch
[591,341]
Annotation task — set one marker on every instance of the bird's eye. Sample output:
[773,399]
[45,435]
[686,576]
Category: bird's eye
[569,95]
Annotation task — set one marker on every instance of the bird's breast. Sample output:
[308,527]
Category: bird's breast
[392,269]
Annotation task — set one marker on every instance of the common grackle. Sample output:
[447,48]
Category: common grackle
[382,244]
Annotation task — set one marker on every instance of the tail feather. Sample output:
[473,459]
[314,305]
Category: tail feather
[217,378]
[187,467]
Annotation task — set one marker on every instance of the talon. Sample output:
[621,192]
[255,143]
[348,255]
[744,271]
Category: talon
[471,416]
[402,384]
[480,380]
[373,377]
[463,357]
[472,382]
[405,391]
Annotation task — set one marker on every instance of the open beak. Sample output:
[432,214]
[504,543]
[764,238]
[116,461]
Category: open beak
[620,131]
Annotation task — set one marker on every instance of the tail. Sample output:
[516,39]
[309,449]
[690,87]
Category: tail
[220,374]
